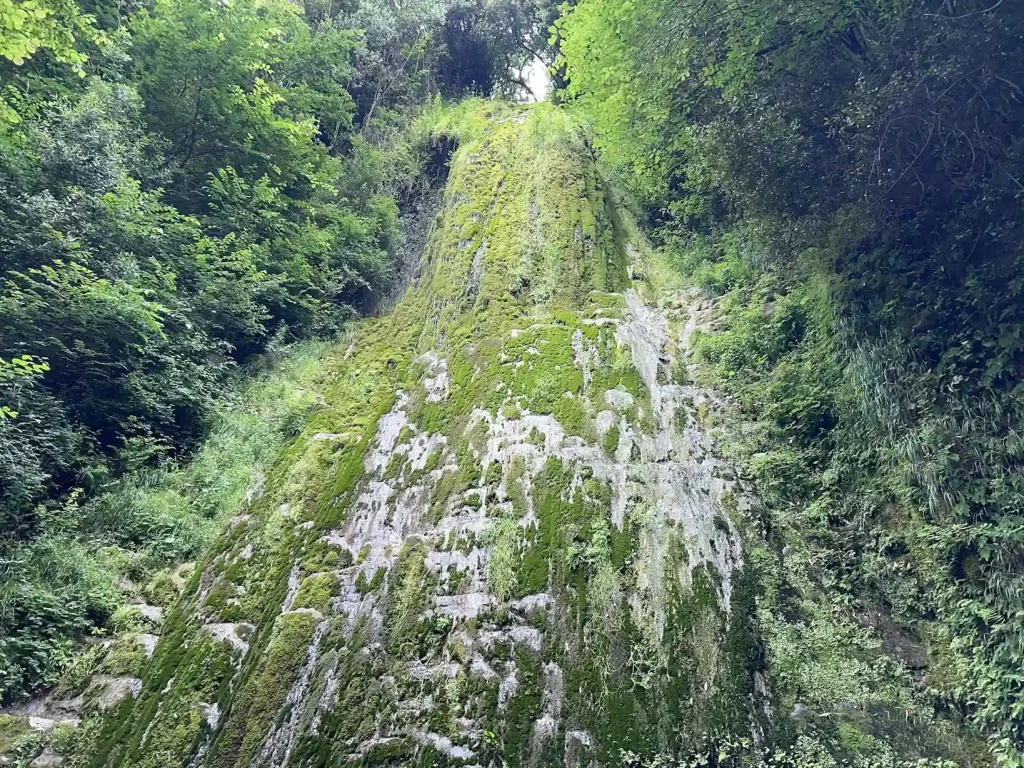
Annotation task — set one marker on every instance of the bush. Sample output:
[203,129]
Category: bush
[69,579]
[846,177]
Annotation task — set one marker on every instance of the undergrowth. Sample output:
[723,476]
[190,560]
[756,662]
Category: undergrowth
[93,557]
[858,613]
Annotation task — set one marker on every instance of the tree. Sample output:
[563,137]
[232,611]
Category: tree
[230,85]
[57,27]
[17,368]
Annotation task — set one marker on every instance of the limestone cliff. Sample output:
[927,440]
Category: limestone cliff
[502,539]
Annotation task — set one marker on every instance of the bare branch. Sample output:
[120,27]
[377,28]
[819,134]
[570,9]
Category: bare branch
[964,16]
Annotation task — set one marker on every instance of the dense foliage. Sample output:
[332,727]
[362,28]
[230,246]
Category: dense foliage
[848,177]
[184,185]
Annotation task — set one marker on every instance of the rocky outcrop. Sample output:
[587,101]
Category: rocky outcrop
[506,538]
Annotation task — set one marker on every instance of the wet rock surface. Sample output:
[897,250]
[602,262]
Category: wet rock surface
[506,538]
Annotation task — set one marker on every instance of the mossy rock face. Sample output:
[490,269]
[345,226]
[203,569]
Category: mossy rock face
[501,540]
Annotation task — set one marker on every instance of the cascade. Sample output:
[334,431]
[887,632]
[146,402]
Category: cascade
[504,538]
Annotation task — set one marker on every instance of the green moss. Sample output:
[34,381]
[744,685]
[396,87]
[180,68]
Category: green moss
[433,461]
[236,571]
[611,440]
[261,698]
[493,474]
[397,751]
[407,599]
[222,591]
[12,731]
[554,256]
[366,586]
[316,592]
[162,727]
[125,657]
[394,467]
[350,468]
[606,304]
[173,740]
[503,567]
[511,411]
[161,589]
[444,489]
[571,413]
[515,488]
[320,556]
[702,689]
[352,720]
[522,710]
[624,542]
[564,527]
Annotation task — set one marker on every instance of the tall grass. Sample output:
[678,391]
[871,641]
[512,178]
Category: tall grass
[95,555]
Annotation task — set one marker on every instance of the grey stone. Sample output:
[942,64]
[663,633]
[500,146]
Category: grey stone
[47,759]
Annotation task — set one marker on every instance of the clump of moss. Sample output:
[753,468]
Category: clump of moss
[316,592]
[365,586]
[260,699]
[321,556]
[572,414]
[394,467]
[502,573]
[433,461]
[493,475]
[12,731]
[162,589]
[408,593]
[125,657]
[611,439]
[218,597]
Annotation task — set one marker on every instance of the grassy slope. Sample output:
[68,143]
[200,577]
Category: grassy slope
[121,545]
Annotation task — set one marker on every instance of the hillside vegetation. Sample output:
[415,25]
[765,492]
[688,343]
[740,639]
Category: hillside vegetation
[847,178]
[684,429]
[186,187]
[507,534]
